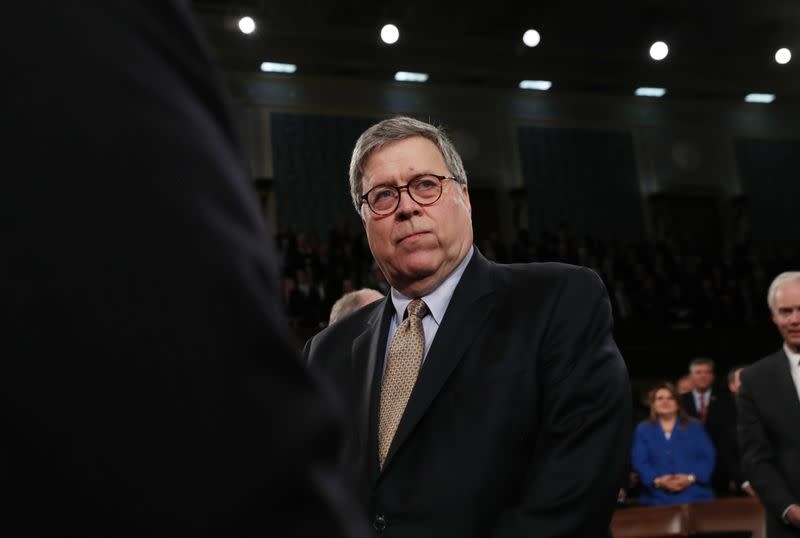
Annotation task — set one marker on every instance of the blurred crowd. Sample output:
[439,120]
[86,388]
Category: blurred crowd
[678,285]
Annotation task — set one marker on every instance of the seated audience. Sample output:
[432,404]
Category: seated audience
[640,276]
[352,301]
[672,454]
[305,301]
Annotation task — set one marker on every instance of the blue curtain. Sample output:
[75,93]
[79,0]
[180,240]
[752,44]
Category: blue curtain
[770,174]
[311,156]
[583,178]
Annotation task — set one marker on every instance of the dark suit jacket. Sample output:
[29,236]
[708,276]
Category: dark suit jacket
[730,454]
[148,382]
[519,422]
[769,428]
[720,423]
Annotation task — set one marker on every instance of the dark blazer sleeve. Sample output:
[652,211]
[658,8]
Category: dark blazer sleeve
[758,457]
[573,477]
[687,403]
[727,443]
[154,389]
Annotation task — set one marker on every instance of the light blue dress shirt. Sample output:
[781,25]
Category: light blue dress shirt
[437,301]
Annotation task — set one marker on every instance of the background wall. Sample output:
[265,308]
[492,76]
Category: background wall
[686,161]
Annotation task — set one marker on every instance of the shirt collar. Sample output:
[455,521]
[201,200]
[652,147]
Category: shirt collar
[794,358]
[697,393]
[438,299]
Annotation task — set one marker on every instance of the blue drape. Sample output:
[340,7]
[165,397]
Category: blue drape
[311,156]
[770,174]
[583,178]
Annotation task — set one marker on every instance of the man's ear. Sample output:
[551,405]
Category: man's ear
[465,194]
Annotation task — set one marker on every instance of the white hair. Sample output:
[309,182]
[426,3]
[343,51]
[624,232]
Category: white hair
[780,280]
[352,301]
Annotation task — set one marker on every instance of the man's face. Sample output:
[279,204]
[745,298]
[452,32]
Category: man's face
[737,382]
[416,246]
[786,314]
[702,376]
[685,385]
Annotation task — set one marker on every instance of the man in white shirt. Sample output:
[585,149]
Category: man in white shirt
[701,372]
[769,415]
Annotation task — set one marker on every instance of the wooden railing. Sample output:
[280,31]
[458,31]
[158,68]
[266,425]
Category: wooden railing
[725,515]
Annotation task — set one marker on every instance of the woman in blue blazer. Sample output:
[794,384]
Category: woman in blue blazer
[672,453]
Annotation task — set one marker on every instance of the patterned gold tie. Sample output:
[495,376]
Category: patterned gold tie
[402,367]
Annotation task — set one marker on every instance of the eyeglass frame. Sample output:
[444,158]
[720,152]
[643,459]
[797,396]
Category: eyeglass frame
[399,189]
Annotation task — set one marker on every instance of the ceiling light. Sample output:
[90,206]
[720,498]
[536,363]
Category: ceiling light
[541,85]
[783,56]
[408,76]
[247,25]
[759,97]
[659,50]
[275,67]
[390,34]
[531,38]
[644,91]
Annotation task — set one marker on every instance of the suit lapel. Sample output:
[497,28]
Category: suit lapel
[367,361]
[691,408]
[471,304]
[785,387]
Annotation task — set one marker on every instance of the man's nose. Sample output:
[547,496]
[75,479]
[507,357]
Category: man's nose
[406,205]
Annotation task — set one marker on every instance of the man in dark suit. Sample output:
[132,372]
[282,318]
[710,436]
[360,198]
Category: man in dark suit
[738,481]
[717,411]
[149,385]
[487,400]
[769,415]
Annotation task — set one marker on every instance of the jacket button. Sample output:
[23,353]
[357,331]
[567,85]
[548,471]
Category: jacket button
[379,523]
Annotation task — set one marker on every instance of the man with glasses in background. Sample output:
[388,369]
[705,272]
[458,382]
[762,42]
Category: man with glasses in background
[487,399]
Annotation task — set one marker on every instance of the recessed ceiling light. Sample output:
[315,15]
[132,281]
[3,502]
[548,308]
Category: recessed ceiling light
[390,34]
[645,91]
[531,38]
[759,97]
[247,25]
[782,56]
[408,76]
[659,50]
[275,67]
[541,85]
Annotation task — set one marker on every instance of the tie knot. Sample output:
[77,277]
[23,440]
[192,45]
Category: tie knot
[417,308]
